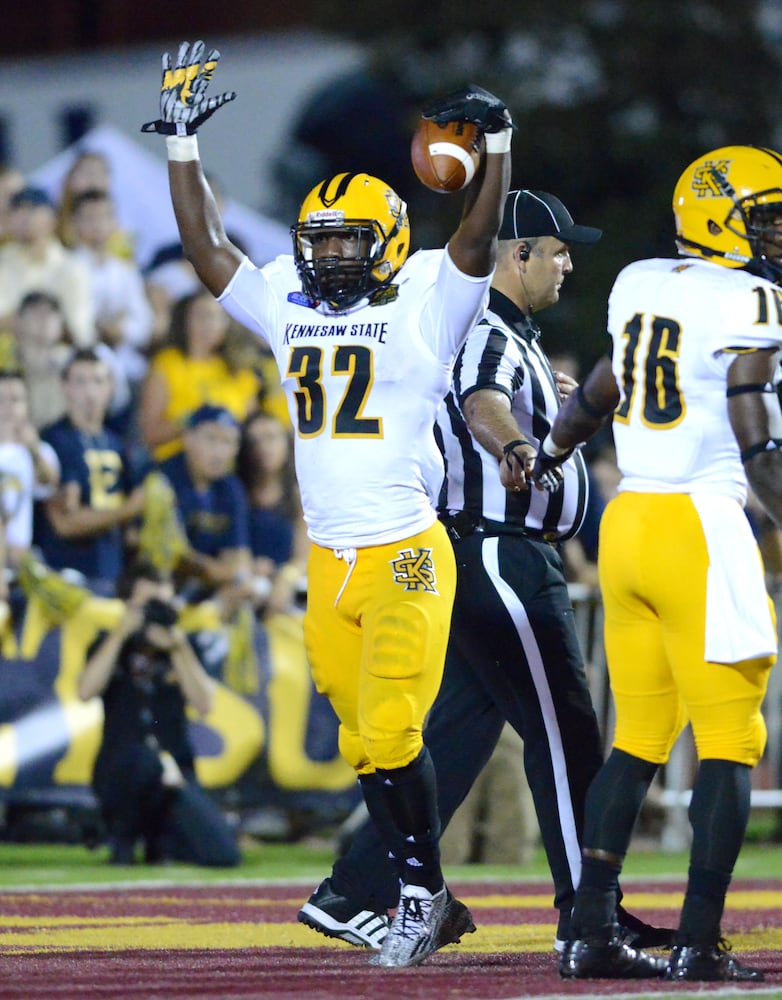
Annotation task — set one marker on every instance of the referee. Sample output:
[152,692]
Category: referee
[513,653]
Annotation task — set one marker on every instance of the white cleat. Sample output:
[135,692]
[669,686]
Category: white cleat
[413,934]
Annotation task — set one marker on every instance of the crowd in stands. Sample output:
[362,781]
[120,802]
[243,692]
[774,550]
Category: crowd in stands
[126,402]
[108,374]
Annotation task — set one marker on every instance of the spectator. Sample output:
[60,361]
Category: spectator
[278,534]
[81,526]
[201,364]
[41,347]
[28,467]
[147,673]
[211,500]
[11,182]
[34,259]
[123,315]
[90,171]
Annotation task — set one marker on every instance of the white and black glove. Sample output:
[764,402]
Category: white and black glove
[184,105]
[547,472]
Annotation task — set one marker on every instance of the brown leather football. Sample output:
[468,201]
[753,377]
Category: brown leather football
[446,157]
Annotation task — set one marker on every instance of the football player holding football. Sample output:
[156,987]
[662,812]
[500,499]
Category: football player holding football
[689,629]
[365,340]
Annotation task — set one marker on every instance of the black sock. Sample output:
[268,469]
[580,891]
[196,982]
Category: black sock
[718,813]
[410,798]
[357,875]
[614,800]
[612,805]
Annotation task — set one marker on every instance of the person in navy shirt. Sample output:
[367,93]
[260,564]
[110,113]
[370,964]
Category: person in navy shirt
[81,526]
[212,501]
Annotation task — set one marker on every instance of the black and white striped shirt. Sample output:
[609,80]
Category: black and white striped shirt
[503,353]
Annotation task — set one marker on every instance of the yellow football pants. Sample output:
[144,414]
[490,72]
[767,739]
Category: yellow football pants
[653,564]
[376,632]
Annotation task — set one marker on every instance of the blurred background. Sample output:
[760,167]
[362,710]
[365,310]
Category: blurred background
[612,99]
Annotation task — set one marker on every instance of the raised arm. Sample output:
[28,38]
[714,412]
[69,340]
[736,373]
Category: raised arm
[581,415]
[473,246]
[184,106]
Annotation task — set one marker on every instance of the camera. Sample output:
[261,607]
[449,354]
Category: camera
[159,612]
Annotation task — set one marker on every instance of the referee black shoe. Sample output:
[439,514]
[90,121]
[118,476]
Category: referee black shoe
[710,963]
[632,930]
[612,959]
[639,934]
[337,916]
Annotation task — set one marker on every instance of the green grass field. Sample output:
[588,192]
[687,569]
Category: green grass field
[38,865]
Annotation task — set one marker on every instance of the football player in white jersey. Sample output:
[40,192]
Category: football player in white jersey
[365,341]
[689,630]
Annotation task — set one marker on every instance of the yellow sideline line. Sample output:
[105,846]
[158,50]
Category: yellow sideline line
[156,935]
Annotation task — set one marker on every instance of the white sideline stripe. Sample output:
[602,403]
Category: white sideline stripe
[518,614]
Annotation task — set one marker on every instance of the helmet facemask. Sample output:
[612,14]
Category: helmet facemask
[762,220]
[371,221]
[339,281]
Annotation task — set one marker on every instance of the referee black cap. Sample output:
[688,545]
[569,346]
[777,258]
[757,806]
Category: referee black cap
[537,213]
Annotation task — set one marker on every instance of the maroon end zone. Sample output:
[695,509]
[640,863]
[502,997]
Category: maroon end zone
[242,942]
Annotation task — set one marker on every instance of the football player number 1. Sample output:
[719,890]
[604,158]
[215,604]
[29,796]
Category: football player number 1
[351,361]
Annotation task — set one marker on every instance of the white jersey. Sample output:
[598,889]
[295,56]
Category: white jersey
[676,327]
[363,389]
[17,487]
[19,490]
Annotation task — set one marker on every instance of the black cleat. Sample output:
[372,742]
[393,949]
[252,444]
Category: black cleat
[609,960]
[710,963]
[638,934]
[337,917]
[457,921]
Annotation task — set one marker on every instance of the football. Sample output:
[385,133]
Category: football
[445,157]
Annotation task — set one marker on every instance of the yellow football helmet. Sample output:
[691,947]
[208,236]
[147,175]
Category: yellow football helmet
[373,215]
[728,206]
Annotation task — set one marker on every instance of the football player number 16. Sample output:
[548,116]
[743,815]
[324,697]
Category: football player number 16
[657,375]
[656,342]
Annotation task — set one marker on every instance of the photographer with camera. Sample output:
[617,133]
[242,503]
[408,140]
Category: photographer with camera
[147,672]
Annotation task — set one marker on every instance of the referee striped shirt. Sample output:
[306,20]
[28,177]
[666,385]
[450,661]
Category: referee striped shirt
[503,353]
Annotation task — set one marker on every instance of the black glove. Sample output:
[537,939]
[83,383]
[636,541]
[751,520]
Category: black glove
[474,105]
[183,102]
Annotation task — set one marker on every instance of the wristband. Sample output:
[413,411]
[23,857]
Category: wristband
[182,148]
[508,448]
[548,447]
[498,142]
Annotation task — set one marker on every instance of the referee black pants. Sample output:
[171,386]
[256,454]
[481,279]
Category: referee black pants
[513,655]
